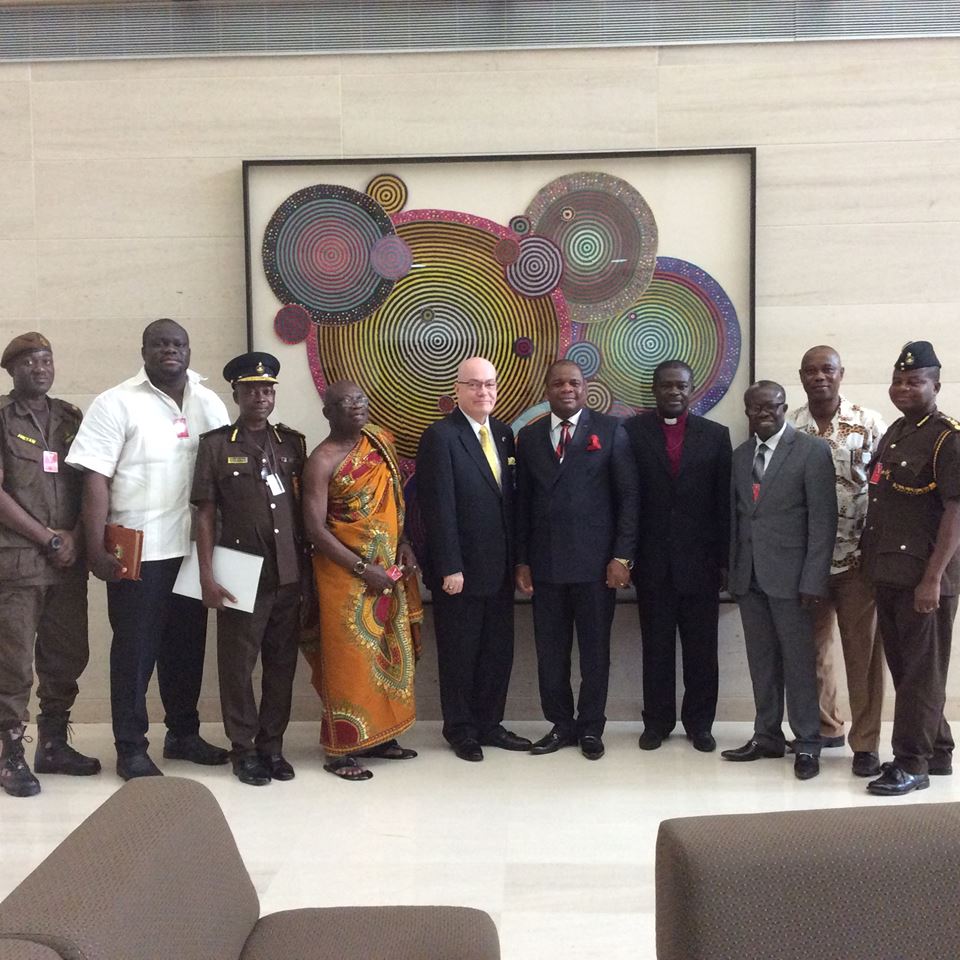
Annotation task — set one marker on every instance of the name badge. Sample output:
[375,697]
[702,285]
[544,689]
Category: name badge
[51,462]
[275,484]
[238,459]
[180,425]
[877,471]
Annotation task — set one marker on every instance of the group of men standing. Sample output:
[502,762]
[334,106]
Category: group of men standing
[826,516]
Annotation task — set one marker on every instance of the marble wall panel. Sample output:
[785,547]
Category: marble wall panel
[18,282]
[109,199]
[828,183]
[15,143]
[16,199]
[838,99]
[901,263]
[478,113]
[187,117]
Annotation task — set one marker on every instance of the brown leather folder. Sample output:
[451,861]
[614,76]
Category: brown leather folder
[126,544]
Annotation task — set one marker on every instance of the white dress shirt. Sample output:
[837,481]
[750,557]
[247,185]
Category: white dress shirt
[771,445]
[555,429]
[138,437]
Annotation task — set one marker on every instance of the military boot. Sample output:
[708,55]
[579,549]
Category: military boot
[15,776]
[55,755]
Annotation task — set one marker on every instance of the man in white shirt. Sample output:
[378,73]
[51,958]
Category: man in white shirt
[853,434]
[137,446]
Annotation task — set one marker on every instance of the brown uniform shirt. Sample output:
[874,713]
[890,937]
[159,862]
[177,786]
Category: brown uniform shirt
[917,469]
[229,469]
[51,498]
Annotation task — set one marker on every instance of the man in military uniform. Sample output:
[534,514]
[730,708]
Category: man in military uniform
[250,472]
[43,581]
[909,550]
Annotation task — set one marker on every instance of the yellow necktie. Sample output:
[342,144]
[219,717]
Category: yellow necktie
[490,453]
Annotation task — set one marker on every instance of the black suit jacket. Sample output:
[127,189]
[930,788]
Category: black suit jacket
[467,518]
[574,517]
[684,522]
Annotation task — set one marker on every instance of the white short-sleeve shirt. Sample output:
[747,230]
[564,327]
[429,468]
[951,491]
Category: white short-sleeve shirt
[138,437]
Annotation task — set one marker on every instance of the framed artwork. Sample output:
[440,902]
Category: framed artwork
[389,272]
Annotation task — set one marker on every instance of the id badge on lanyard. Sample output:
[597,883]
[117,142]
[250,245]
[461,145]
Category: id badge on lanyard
[180,425]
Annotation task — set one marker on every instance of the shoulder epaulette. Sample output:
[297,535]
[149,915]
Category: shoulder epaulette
[953,423]
[283,426]
[5,401]
[216,430]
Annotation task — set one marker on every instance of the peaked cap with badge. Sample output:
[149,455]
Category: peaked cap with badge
[917,354]
[252,368]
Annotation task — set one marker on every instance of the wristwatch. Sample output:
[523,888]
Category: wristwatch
[55,543]
[359,567]
[627,563]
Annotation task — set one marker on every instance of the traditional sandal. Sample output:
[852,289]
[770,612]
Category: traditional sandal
[391,750]
[347,768]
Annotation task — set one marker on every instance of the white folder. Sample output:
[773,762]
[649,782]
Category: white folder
[234,570]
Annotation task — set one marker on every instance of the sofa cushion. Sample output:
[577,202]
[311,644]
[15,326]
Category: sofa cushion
[375,933]
[861,883]
[152,874]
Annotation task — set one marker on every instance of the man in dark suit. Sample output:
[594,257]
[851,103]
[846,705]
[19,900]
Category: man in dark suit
[784,515]
[576,537]
[465,487]
[683,464]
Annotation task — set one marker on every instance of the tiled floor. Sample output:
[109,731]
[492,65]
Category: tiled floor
[559,850]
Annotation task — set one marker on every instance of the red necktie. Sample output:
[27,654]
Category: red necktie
[564,438]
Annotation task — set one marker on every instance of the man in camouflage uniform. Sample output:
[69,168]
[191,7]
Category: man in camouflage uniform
[43,580]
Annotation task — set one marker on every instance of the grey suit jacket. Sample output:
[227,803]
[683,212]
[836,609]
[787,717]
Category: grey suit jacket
[785,538]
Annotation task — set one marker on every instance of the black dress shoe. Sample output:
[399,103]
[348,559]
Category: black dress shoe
[278,766]
[751,751]
[806,766]
[505,740]
[865,763]
[552,742]
[894,781]
[133,765]
[591,747]
[252,770]
[468,750]
[703,741]
[650,739]
[194,749]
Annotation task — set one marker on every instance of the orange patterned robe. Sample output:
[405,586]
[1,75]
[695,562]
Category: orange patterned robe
[363,666]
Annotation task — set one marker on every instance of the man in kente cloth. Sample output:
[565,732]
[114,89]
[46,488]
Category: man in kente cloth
[370,609]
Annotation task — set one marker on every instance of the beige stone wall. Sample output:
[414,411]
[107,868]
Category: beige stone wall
[120,201]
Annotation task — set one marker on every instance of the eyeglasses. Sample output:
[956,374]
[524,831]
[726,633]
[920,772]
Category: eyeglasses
[754,410]
[475,386]
[358,401]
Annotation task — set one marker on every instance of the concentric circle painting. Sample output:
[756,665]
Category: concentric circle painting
[607,235]
[456,303]
[684,314]
[317,252]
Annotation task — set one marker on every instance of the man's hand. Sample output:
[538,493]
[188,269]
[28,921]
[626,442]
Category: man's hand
[524,579]
[453,583]
[618,576]
[406,558]
[376,579]
[105,566]
[213,595]
[67,554]
[808,600]
[926,595]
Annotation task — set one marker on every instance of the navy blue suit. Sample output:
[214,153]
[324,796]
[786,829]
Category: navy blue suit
[684,536]
[468,521]
[573,517]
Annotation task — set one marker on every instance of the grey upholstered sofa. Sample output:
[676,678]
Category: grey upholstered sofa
[154,874]
[861,883]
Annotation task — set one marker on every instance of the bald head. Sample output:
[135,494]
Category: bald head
[476,388]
